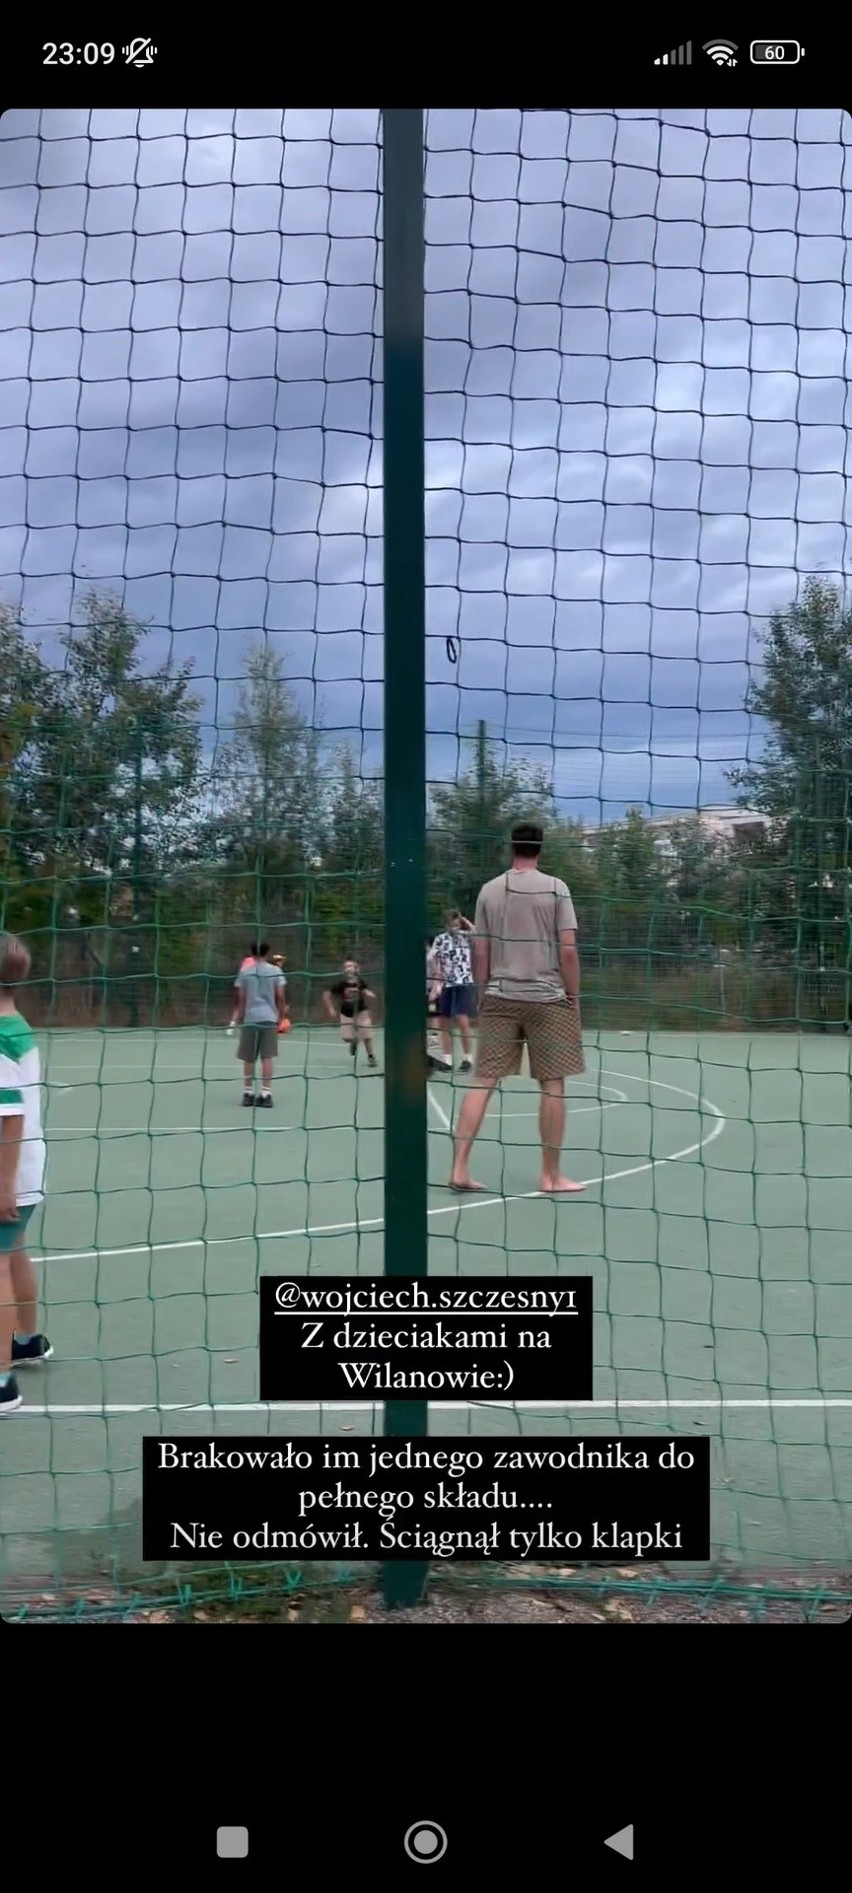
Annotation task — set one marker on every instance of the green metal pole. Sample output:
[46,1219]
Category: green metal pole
[406,1163]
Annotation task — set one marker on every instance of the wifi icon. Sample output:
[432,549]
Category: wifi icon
[723,52]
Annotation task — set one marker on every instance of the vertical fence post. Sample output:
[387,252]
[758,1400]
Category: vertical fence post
[404,477]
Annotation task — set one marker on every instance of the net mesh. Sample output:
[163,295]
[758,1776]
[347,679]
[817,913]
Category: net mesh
[637,445]
[636,539]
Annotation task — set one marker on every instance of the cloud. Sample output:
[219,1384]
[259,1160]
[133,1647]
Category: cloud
[637,410]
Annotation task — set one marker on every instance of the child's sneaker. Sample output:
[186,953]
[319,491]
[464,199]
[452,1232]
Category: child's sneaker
[265,1101]
[29,1351]
[248,1099]
[467,1064]
[10,1398]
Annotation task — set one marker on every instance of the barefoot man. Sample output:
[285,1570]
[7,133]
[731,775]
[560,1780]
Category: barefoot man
[525,961]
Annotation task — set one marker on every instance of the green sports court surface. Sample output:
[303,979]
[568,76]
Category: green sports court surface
[716,1225]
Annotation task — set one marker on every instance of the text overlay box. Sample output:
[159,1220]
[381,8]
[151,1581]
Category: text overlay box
[432,1338]
[590,1499]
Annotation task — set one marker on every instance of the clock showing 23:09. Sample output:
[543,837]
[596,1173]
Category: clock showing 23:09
[139,52]
[64,54]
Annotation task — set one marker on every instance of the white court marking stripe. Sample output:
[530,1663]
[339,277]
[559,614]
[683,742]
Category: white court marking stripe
[584,1110]
[209,1071]
[439,1406]
[67,1133]
[439,1110]
[441,1209]
[618,1100]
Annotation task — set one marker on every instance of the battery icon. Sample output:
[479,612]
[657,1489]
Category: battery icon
[776,52]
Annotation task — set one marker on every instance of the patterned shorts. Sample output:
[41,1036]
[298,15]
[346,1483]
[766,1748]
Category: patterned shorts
[550,1029]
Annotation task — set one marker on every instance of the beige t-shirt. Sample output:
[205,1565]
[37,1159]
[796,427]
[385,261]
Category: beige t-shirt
[522,916]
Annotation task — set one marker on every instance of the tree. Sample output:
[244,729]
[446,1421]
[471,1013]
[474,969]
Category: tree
[268,795]
[472,819]
[97,767]
[704,886]
[633,882]
[118,756]
[24,695]
[802,779]
[569,854]
[348,907]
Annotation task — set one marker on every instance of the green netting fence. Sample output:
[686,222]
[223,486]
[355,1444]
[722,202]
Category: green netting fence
[636,629]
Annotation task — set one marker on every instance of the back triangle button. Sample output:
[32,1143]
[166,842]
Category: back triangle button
[622,1842]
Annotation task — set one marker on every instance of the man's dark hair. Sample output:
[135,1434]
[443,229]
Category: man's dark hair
[259,949]
[527,840]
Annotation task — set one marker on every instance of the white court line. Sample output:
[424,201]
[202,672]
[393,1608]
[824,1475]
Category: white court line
[437,1406]
[442,1209]
[69,1133]
[439,1110]
[584,1110]
[132,1075]
[620,1098]
[127,1074]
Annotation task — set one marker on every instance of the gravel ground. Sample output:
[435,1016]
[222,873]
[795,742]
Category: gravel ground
[457,1601]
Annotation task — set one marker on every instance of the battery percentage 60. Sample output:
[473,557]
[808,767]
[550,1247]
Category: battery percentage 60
[776,52]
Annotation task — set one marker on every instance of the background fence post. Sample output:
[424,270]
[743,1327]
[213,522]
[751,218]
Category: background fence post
[404,475]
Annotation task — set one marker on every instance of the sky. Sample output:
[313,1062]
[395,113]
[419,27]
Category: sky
[636,416]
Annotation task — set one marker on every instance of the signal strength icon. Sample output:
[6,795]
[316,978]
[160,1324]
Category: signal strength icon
[681,56]
[723,52]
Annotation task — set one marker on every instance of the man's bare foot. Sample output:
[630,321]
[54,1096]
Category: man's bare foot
[465,1185]
[559,1186]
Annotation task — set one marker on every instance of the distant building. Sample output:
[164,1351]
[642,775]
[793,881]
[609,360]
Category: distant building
[720,821]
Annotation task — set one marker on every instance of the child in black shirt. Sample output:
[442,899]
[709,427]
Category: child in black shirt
[348,999]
